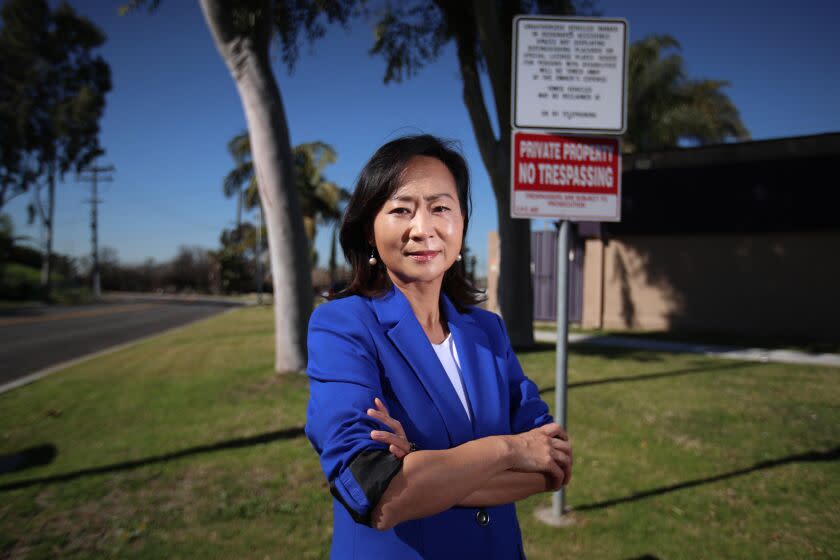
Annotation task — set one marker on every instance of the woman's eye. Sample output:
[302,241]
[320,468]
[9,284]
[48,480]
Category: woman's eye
[441,208]
[399,210]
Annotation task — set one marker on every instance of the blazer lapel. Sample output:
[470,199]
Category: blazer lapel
[478,370]
[394,312]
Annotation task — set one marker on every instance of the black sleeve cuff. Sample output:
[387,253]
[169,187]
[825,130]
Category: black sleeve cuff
[373,471]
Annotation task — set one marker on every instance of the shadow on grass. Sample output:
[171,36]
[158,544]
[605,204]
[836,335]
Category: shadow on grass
[649,376]
[30,457]
[289,433]
[596,350]
[808,457]
[807,345]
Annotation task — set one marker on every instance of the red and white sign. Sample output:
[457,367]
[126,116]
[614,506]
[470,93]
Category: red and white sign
[565,177]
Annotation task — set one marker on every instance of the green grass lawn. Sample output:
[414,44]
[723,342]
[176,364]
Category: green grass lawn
[188,446]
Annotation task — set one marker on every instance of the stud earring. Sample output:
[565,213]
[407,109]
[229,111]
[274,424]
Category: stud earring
[459,257]
[372,260]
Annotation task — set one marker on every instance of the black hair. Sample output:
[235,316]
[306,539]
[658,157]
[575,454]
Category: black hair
[379,179]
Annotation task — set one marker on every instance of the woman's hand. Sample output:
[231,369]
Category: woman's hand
[545,449]
[398,443]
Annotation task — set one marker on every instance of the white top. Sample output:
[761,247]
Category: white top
[448,356]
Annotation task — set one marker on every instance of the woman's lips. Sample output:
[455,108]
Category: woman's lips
[423,256]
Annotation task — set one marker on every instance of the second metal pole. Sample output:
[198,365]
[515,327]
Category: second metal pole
[559,498]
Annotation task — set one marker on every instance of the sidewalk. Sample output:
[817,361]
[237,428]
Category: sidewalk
[727,352]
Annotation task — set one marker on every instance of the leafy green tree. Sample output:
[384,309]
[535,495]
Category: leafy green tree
[53,96]
[242,31]
[236,258]
[665,107]
[191,269]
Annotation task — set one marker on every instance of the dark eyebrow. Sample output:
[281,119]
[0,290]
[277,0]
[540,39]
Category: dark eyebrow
[428,198]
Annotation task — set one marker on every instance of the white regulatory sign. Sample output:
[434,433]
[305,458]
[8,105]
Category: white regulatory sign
[569,74]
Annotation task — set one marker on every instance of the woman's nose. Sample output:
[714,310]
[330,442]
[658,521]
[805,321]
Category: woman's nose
[421,226]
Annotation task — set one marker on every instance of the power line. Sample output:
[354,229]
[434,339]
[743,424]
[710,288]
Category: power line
[94,178]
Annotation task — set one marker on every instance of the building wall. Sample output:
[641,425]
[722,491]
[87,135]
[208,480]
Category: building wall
[593,284]
[762,284]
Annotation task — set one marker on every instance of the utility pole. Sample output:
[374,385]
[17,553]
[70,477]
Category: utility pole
[94,178]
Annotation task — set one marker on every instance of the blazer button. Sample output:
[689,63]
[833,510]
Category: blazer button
[482,518]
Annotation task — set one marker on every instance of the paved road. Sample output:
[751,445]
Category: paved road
[34,339]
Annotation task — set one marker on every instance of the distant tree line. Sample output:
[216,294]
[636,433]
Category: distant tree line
[52,97]
[228,269]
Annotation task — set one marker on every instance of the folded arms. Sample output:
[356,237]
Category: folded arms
[484,472]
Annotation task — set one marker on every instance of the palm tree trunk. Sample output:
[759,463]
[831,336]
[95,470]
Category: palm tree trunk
[246,56]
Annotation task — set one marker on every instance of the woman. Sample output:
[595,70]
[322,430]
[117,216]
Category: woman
[426,427]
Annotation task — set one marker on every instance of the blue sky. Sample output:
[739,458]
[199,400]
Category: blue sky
[174,107]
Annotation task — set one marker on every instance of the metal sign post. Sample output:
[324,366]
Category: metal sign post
[568,76]
[559,499]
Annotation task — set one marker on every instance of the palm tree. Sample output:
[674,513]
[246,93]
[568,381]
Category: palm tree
[320,200]
[239,148]
[665,107]
[243,31]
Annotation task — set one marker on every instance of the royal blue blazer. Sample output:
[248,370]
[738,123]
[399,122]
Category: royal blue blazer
[361,348]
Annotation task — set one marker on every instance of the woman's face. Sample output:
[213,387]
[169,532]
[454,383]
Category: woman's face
[417,232]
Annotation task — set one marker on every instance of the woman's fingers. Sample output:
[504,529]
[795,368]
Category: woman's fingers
[562,445]
[563,462]
[560,442]
[397,441]
[557,474]
[387,420]
[380,405]
[553,429]
[545,449]
[393,440]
